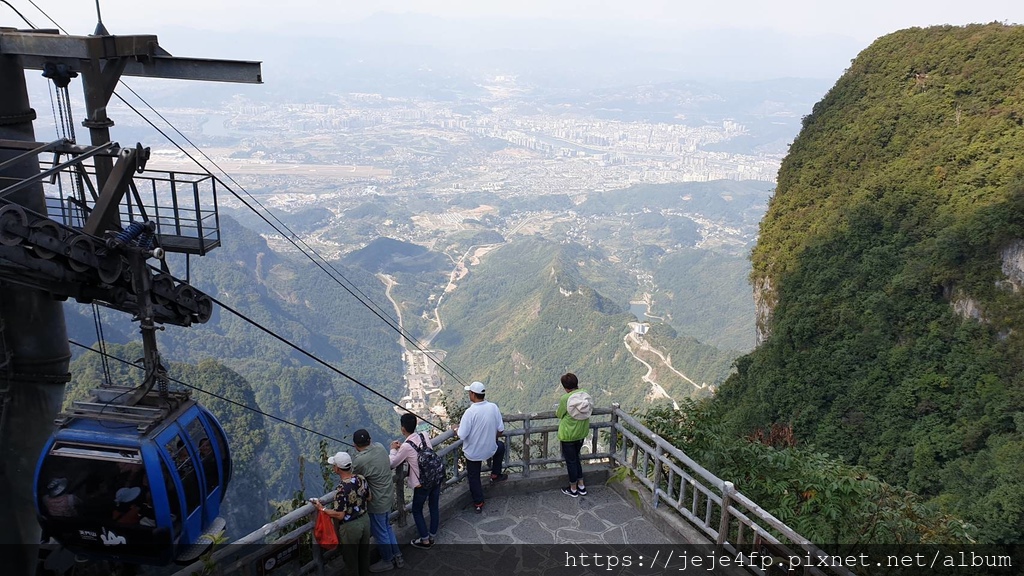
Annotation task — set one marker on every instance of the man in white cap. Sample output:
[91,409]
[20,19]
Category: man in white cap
[480,429]
[349,511]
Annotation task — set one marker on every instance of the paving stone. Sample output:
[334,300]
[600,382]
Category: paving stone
[614,536]
[457,530]
[570,536]
[616,513]
[587,522]
[530,531]
[600,494]
[497,539]
[499,524]
[519,503]
[553,520]
[640,531]
[558,502]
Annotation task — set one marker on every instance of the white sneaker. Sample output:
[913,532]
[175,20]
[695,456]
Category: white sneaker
[382,566]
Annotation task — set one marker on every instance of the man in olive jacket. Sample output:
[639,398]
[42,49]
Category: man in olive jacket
[372,462]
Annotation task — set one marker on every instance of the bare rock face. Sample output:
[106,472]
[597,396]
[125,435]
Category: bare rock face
[1013,264]
[764,304]
[1012,257]
[967,307]
[963,304]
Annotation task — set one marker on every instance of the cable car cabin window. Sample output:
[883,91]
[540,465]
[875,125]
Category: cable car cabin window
[178,452]
[222,445]
[172,499]
[197,433]
[96,484]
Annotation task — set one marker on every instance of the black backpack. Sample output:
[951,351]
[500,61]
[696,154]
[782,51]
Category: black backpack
[431,465]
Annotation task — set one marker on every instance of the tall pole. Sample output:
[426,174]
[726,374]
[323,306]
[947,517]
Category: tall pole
[34,351]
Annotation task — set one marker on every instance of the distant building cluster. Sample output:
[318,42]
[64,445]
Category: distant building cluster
[424,143]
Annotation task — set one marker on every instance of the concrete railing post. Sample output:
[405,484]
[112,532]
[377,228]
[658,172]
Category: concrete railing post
[403,514]
[723,523]
[613,444]
[658,452]
[526,446]
[318,559]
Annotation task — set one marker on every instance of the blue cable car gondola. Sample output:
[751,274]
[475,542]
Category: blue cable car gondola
[136,483]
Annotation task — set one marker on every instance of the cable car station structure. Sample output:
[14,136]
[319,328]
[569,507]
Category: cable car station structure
[89,222]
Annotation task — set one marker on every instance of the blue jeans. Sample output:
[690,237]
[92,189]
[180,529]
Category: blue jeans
[571,453]
[432,497]
[381,530]
[476,489]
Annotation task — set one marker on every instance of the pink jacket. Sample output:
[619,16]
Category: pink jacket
[406,453]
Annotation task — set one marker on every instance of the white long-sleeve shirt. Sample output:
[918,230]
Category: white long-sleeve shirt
[479,430]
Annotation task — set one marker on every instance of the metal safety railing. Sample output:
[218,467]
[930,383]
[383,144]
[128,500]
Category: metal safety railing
[183,205]
[670,479]
[736,524]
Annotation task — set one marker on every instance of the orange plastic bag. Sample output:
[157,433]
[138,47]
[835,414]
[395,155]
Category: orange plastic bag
[324,533]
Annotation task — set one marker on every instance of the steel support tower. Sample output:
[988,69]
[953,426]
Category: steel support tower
[42,264]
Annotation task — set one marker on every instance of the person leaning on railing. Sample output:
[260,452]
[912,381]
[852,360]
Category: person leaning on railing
[350,513]
[481,429]
[370,460]
[404,451]
[571,432]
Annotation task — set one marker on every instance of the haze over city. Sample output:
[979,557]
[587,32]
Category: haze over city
[738,39]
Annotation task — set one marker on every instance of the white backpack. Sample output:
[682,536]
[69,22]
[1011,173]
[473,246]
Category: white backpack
[580,405]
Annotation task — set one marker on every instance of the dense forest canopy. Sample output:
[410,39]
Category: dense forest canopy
[894,338]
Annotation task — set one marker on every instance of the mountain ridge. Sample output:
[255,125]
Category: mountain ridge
[890,336]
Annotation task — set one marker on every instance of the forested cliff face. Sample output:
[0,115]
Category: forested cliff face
[887,275]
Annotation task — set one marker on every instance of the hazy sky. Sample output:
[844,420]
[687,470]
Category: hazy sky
[863,20]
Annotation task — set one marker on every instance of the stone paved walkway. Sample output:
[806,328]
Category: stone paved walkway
[527,527]
[550,517]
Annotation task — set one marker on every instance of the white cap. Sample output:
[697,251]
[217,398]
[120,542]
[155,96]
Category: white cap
[476,388]
[126,495]
[341,460]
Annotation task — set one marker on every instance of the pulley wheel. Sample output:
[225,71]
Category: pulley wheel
[11,216]
[45,238]
[163,289]
[80,251]
[185,299]
[109,268]
[205,306]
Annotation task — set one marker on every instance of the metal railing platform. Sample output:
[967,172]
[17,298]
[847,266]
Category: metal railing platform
[662,476]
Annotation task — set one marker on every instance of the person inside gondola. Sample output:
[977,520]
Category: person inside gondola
[58,500]
[127,506]
[130,473]
[100,491]
[209,460]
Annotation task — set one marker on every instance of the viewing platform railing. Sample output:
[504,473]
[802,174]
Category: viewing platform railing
[667,478]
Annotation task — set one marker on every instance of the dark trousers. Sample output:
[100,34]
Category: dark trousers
[571,453]
[476,489]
